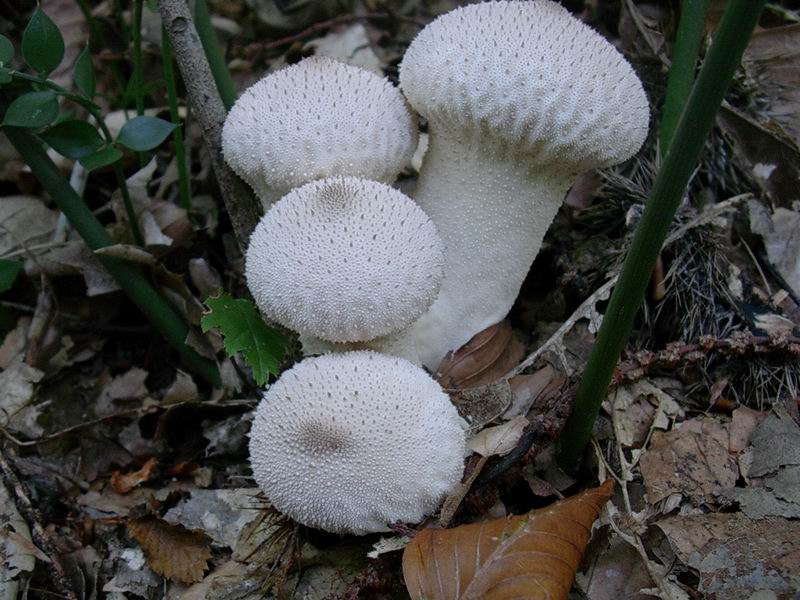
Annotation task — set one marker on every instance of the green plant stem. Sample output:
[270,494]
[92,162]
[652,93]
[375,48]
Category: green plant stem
[133,282]
[177,136]
[214,54]
[94,110]
[734,30]
[100,41]
[688,39]
[138,79]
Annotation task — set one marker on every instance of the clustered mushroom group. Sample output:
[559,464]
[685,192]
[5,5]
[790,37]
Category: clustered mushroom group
[520,97]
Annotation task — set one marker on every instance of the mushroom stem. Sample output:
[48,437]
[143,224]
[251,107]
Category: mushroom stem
[492,209]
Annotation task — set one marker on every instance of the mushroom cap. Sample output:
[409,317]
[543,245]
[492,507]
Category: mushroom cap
[314,119]
[345,260]
[353,442]
[531,75]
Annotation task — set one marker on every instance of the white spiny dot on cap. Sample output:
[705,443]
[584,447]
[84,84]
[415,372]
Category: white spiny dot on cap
[349,466]
[374,276]
[320,110]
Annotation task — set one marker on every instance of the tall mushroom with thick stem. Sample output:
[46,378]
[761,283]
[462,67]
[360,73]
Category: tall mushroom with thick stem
[520,97]
[315,119]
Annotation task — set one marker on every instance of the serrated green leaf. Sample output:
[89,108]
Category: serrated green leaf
[42,44]
[244,331]
[6,50]
[34,109]
[83,76]
[102,158]
[144,133]
[73,139]
[9,269]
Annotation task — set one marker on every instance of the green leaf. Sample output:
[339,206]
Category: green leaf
[5,76]
[102,158]
[244,331]
[144,133]
[9,269]
[6,50]
[34,109]
[83,76]
[42,44]
[73,139]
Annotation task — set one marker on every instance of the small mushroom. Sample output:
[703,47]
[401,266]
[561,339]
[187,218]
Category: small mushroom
[520,97]
[314,119]
[344,259]
[353,442]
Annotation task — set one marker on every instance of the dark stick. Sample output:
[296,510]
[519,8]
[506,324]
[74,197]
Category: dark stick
[243,207]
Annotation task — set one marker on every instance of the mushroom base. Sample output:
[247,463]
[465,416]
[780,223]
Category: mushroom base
[492,210]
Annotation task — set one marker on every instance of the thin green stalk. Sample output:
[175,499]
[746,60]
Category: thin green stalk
[720,64]
[214,54]
[133,282]
[688,39]
[94,110]
[177,135]
[100,41]
[138,79]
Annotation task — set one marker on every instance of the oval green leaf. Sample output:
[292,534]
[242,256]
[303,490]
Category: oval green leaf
[102,158]
[34,109]
[9,269]
[73,139]
[42,44]
[6,50]
[144,133]
[83,75]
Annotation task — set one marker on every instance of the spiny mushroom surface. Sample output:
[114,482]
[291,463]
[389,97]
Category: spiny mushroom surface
[345,260]
[353,442]
[520,97]
[314,119]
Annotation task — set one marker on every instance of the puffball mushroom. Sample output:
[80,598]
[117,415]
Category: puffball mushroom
[352,442]
[344,259]
[520,97]
[314,119]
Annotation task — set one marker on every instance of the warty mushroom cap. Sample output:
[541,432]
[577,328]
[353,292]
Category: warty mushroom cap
[532,75]
[353,442]
[345,260]
[317,118]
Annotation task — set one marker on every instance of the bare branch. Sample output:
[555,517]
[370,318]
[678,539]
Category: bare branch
[243,207]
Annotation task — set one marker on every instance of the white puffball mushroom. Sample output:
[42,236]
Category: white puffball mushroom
[520,97]
[353,442]
[317,118]
[344,259]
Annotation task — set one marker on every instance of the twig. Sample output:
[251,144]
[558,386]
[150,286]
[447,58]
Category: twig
[737,345]
[34,520]
[243,207]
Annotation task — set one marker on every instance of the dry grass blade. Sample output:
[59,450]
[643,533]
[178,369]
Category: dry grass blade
[529,556]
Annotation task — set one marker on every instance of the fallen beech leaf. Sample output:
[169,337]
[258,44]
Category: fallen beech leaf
[123,484]
[484,359]
[529,556]
[498,440]
[173,551]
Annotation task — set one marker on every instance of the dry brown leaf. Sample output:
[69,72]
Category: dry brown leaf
[692,459]
[173,551]
[124,483]
[484,359]
[529,556]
